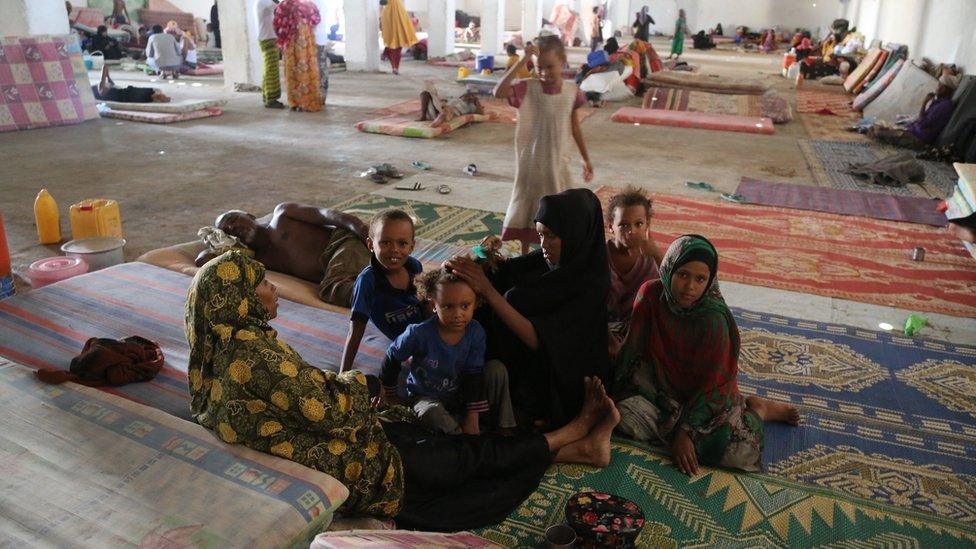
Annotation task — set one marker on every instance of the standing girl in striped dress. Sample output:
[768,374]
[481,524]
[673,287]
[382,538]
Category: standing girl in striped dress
[547,121]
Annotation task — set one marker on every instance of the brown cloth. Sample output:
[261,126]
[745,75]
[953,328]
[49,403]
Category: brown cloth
[106,361]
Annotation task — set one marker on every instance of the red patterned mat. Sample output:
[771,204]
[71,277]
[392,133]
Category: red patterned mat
[866,260]
[813,100]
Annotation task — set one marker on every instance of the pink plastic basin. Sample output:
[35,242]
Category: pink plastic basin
[48,271]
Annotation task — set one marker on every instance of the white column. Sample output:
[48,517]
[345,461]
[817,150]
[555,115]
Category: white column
[243,62]
[921,18]
[33,17]
[440,40]
[362,35]
[492,26]
[619,16]
[531,19]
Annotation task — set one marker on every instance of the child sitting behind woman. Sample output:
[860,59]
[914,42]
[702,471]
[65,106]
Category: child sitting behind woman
[634,256]
[449,385]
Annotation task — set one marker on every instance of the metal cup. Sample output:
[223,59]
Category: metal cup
[918,254]
[560,536]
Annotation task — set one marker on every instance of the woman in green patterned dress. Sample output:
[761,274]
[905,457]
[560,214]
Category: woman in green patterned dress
[678,42]
[251,388]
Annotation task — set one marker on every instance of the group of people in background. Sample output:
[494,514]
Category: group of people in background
[292,30]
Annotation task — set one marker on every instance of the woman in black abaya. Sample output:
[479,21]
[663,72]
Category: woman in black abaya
[547,311]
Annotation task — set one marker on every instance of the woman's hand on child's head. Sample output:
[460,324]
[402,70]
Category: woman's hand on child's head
[587,171]
[471,272]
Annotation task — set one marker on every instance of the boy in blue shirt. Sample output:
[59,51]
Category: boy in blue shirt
[448,384]
[384,292]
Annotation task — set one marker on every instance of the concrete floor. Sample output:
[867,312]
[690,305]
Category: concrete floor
[170,180]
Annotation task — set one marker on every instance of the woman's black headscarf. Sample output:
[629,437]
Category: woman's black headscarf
[566,305]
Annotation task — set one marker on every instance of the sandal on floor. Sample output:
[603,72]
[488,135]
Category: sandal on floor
[386,169]
[471,169]
[373,176]
[737,198]
[415,187]
[701,185]
[420,165]
[443,189]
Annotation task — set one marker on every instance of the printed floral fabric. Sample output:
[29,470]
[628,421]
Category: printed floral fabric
[251,388]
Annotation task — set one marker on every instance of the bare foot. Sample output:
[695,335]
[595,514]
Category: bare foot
[594,408]
[770,410]
[594,449]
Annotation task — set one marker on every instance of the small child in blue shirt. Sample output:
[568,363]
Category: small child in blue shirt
[449,385]
[384,292]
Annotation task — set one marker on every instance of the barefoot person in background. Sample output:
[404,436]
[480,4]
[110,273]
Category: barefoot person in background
[676,373]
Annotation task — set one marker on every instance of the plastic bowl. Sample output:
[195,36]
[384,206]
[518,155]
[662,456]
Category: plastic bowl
[98,252]
[53,269]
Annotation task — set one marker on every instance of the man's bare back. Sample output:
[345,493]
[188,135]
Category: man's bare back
[293,241]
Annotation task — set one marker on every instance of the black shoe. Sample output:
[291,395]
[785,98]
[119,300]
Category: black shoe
[274,105]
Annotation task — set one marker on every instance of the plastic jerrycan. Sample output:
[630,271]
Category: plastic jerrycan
[47,218]
[95,217]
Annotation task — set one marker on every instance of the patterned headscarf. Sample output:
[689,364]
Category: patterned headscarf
[291,14]
[685,249]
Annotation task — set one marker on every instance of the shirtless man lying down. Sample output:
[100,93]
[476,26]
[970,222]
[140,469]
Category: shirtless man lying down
[319,245]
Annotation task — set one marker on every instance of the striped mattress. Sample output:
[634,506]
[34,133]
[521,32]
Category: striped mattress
[46,327]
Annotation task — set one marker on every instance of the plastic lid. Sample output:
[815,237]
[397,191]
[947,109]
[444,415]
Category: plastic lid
[93,245]
[58,264]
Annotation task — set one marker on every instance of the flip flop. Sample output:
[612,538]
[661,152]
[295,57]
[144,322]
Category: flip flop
[377,178]
[387,169]
[420,165]
[443,189]
[471,169]
[737,198]
[415,187]
[701,185]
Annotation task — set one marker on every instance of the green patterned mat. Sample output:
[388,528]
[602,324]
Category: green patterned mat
[720,509]
[452,225]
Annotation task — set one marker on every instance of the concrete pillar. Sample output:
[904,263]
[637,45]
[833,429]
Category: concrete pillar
[243,62]
[440,40]
[531,19]
[362,34]
[33,17]
[492,27]
[619,16]
[921,17]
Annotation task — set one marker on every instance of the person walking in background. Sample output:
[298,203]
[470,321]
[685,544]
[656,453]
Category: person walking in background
[293,24]
[397,30]
[322,43]
[271,83]
[642,24]
[596,31]
[678,43]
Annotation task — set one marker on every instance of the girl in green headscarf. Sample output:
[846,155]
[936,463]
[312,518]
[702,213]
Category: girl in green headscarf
[676,375]
[251,388]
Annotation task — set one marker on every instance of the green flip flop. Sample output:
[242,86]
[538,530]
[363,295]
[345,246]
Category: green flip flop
[701,185]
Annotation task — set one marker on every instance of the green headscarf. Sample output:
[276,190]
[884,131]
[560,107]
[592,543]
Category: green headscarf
[685,249]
